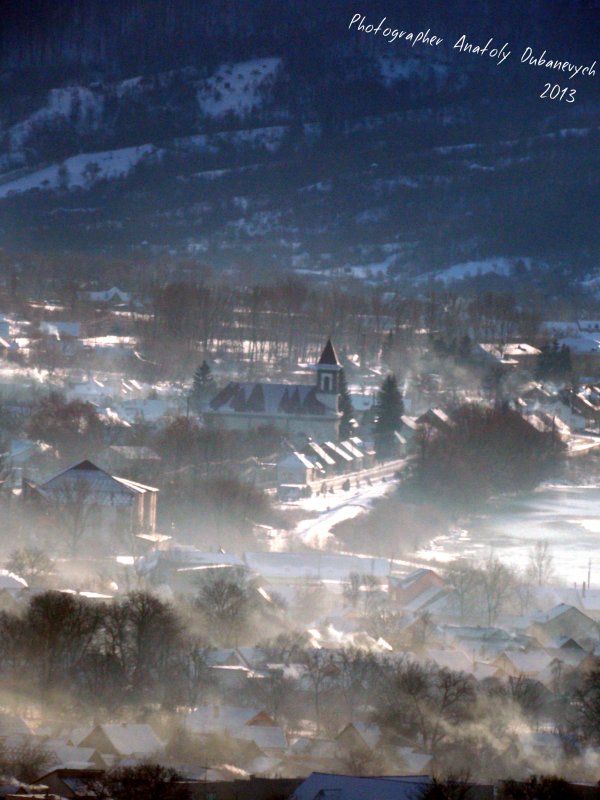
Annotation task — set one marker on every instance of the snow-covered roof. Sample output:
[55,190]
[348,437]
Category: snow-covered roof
[296,459]
[410,423]
[183,556]
[548,616]
[10,582]
[324,565]
[87,483]
[338,451]
[351,448]
[322,454]
[63,755]
[110,294]
[128,738]
[580,345]
[528,662]
[267,737]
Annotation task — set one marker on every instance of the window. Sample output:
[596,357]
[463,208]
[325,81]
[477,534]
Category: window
[326,383]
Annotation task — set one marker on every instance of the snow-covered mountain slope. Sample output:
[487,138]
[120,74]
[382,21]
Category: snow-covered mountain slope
[81,171]
[238,89]
[271,137]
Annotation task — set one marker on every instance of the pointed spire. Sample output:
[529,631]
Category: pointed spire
[329,356]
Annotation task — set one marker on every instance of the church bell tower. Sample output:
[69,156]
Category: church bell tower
[328,373]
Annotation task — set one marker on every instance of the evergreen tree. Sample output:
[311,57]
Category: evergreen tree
[389,410]
[554,362]
[202,387]
[345,406]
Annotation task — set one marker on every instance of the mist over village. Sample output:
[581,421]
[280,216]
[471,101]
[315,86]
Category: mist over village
[299,401]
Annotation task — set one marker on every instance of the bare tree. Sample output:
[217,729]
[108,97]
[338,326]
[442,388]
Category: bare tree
[30,563]
[25,760]
[320,670]
[423,701]
[540,566]
[497,582]
[465,580]
[225,601]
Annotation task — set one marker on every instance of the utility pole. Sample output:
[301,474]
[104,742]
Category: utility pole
[589,573]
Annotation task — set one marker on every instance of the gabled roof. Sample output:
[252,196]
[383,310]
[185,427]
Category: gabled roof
[295,458]
[528,662]
[322,454]
[126,738]
[338,452]
[88,483]
[329,356]
[267,737]
[351,448]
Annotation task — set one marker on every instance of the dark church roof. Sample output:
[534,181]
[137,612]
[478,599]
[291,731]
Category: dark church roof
[329,356]
[271,399]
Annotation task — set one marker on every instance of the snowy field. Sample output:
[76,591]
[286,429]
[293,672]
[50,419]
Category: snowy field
[238,88]
[568,517]
[80,171]
[471,269]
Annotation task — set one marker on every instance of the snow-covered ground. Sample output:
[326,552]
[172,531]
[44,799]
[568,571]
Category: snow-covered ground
[238,88]
[566,517]
[331,509]
[80,171]
[470,269]
[66,103]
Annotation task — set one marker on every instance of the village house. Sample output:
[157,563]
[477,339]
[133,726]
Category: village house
[245,724]
[517,355]
[123,739]
[563,622]
[403,590]
[298,410]
[71,782]
[436,419]
[114,295]
[296,468]
[93,498]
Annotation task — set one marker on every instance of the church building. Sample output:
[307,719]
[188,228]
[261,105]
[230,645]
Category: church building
[300,411]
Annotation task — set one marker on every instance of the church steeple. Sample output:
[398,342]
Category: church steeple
[328,370]
[329,356]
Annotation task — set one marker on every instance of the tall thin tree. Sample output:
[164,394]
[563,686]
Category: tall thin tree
[389,409]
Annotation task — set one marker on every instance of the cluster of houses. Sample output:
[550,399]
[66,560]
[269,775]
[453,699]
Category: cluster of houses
[560,635]
[316,462]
